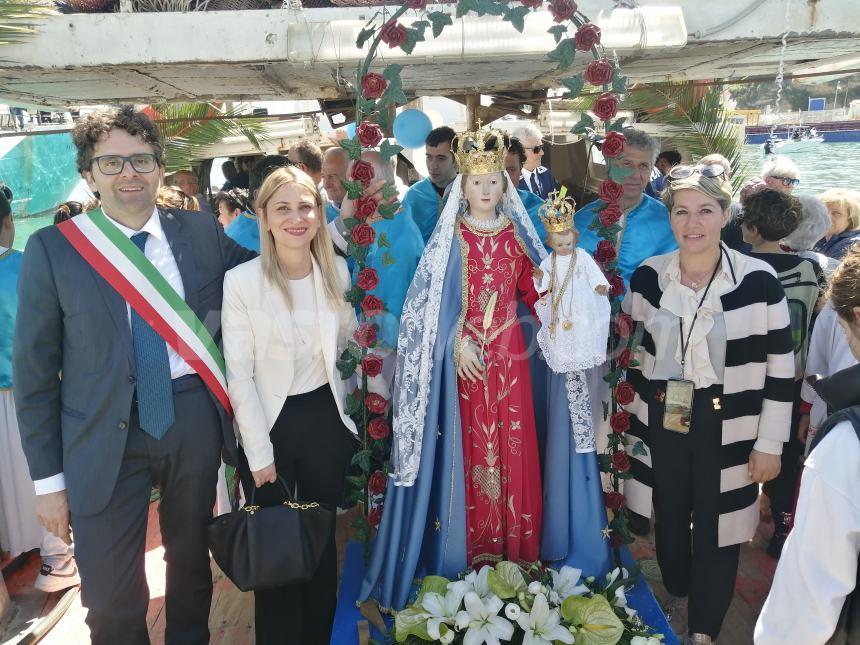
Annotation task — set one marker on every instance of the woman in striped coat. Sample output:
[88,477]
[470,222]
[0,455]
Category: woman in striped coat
[714,387]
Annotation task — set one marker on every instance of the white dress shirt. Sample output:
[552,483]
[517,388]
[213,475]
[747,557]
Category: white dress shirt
[157,251]
[818,565]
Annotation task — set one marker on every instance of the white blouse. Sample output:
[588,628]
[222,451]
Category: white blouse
[309,363]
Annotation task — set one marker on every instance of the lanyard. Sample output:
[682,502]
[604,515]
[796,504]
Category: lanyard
[685,345]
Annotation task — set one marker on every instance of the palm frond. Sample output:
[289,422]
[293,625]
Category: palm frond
[18,19]
[189,129]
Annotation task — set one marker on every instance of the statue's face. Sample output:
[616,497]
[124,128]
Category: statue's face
[483,192]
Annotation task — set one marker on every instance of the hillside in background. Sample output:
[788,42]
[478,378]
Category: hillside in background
[795,95]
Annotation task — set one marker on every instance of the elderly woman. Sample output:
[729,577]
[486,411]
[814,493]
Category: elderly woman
[781,173]
[714,386]
[844,232]
[814,223]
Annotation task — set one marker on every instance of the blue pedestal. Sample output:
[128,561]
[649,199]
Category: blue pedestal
[345,631]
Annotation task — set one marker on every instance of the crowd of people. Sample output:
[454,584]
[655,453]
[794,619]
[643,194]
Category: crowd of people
[747,318]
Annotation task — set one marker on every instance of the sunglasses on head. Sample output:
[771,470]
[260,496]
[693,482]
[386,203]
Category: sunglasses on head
[682,172]
[786,181]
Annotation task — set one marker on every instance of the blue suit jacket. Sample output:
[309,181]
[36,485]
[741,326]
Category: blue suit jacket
[546,182]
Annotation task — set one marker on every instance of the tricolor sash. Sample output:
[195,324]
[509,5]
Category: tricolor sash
[125,268]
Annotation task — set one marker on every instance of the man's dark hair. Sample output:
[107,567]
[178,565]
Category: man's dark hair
[517,146]
[774,214]
[262,169]
[7,192]
[443,134]
[228,164]
[310,155]
[672,156]
[5,208]
[90,129]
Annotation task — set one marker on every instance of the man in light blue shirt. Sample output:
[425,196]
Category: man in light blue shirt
[245,230]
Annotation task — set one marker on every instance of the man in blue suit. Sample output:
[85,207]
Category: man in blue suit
[426,198]
[532,203]
[536,178]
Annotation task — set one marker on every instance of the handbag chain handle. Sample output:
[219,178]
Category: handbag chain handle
[253,508]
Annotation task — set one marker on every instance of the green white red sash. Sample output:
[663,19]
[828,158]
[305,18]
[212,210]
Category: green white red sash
[118,260]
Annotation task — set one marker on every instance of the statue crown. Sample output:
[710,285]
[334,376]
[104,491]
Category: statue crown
[472,156]
[557,211]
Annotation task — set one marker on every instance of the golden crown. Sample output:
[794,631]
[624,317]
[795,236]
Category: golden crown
[557,211]
[471,154]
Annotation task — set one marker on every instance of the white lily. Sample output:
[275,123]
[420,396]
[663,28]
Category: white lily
[612,576]
[542,626]
[483,621]
[477,581]
[645,640]
[513,610]
[442,609]
[566,582]
[621,601]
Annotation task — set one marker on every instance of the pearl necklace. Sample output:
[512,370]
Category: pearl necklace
[484,225]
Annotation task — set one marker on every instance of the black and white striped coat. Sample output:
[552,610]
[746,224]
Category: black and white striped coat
[758,384]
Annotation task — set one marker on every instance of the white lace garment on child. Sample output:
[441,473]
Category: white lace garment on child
[576,340]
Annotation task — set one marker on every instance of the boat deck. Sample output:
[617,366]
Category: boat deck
[231,619]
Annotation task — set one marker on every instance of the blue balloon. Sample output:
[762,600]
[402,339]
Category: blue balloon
[350,130]
[411,128]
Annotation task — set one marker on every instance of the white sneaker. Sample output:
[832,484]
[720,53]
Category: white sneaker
[56,578]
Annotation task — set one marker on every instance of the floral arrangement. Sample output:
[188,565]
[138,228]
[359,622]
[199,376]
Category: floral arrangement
[509,604]
[376,97]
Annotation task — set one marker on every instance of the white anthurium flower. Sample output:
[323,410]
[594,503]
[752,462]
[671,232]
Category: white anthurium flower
[621,601]
[477,581]
[566,582]
[447,637]
[442,609]
[513,610]
[542,626]
[485,625]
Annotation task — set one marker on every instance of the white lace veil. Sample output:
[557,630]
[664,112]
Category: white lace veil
[418,328]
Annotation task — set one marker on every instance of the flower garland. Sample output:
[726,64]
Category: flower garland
[376,96]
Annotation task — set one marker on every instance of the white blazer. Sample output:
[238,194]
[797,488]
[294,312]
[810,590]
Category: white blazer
[259,349]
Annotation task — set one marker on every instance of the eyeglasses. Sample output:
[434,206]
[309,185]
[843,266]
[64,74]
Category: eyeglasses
[786,181]
[537,149]
[682,172]
[143,162]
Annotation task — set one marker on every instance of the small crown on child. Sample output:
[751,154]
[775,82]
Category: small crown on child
[471,156]
[557,211]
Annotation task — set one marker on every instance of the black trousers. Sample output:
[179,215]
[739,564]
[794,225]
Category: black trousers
[781,490]
[109,546]
[313,450]
[686,472]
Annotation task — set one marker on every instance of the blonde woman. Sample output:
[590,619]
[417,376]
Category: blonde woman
[284,319]
[844,208]
[173,197]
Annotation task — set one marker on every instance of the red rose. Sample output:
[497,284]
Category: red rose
[616,286]
[532,4]
[624,393]
[375,516]
[371,305]
[610,191]
[613,145]
[599,72]
[562,10]
[615,540]
[365,335]
[369,134]
[621,461]
[587,37]
[363,172]
[376,403]
[378,428]
[417,4]
[610,215]
[368,279]
[371,365]
[393,34]
[620,422]
[373,85]
[624,325]
[614,501]
[376,483]
[605,252]
[365,207]
[363,234]
[606,106]
[625,358]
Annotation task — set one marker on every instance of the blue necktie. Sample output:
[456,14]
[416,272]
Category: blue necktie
[535,187]
[154,388]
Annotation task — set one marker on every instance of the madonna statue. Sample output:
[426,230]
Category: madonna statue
[467,486]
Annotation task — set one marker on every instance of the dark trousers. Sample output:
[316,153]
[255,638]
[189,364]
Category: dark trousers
[686,471]
[109,546]
[313,450]
[781,490]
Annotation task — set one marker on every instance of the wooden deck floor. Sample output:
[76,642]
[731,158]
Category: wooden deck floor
[231,619]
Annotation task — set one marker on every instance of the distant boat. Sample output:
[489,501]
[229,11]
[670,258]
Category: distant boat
[798,139]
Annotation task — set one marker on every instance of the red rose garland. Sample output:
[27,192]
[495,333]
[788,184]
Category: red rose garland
[606,106]
[599,72]
[368,279]
[613,145]
[371,365]
[362,172]
[393,34]
[586,37]
[562,10]
[373,85]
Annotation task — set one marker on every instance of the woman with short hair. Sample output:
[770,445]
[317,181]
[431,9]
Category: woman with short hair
[713,398]
[844,208]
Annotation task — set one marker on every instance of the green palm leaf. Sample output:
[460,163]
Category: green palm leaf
[18,19]
[189,129]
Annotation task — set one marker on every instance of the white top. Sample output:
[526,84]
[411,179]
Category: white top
[818,566]
[158,252]
[309,363]
[583,345]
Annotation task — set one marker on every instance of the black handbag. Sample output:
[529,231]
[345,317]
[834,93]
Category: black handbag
[263,547]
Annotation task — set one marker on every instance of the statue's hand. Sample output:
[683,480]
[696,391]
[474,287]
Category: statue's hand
[470,367]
